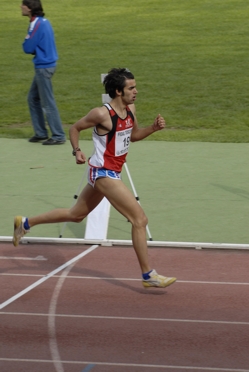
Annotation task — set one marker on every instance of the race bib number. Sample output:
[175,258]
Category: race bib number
[122,142]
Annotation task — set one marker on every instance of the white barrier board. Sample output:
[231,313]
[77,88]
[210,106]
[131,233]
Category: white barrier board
[97,221]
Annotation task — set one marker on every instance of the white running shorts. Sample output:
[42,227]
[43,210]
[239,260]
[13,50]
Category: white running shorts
[95,173]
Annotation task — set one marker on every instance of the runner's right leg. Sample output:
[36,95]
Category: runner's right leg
[86,202]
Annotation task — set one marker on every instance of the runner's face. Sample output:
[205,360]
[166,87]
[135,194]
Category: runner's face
[130,92]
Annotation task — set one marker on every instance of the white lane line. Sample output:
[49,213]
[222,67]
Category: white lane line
[191,368]
[46,277]
[206,282]
[227,322]
[127,279]
[178,281]
[51,321]
[38,258]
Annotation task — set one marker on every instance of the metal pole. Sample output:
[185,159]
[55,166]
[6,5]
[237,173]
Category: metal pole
[136,196]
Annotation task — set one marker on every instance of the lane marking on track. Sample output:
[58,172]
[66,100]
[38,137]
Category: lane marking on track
[46,277]
[191,368]
[227,322]
[54,349]
[129,279]
[38,258]
[178,281]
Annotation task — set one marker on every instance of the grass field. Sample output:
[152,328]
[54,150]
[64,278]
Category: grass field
[190,60]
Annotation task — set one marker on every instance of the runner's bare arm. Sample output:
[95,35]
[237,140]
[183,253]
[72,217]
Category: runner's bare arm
[141,133]
[96,116]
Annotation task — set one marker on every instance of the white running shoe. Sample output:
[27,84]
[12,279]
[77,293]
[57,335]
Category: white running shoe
[19,229]
[159,281]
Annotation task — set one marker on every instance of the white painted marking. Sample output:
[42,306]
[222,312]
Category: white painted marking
[51,321]
[46,277]
[178,281]
[130,318]
[191,368]
[38,258]
[23,275]
[128,279]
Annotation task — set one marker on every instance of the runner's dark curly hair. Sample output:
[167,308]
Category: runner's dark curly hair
[115,80]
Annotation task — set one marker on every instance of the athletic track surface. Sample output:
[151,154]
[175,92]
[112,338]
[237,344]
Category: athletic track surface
[75,308]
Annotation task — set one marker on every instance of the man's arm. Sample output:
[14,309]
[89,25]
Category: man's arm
[93,118]
[32,39]
[141,133]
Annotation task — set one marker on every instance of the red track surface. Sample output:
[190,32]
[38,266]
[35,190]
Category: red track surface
[96,316]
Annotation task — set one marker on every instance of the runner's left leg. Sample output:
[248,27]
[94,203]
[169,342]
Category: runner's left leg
[124,201]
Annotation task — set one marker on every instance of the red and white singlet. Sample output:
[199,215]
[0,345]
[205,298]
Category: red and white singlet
[111,148]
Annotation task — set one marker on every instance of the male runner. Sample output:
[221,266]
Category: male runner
[114,127]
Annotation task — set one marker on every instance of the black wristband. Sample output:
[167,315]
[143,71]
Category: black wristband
[75,150]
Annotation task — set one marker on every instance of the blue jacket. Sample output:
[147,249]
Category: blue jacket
[40,42]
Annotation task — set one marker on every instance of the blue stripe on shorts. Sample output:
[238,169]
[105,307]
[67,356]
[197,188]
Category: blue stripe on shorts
[95,173]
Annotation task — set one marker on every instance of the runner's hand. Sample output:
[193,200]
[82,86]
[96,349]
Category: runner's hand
[80,157]
[159,123]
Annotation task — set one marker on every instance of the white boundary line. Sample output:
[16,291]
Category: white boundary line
[53,344]
[46,277]
[109,242]
[38,258]
[103,317]
[191,368]
[126,279]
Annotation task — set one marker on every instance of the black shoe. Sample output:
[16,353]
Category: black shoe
[37,139]
[50,141]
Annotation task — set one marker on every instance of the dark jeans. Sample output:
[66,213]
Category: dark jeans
[42,104]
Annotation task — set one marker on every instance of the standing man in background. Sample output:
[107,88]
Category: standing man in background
[40,42]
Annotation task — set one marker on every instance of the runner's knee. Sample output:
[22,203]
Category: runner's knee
[141,221]
[76,218]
